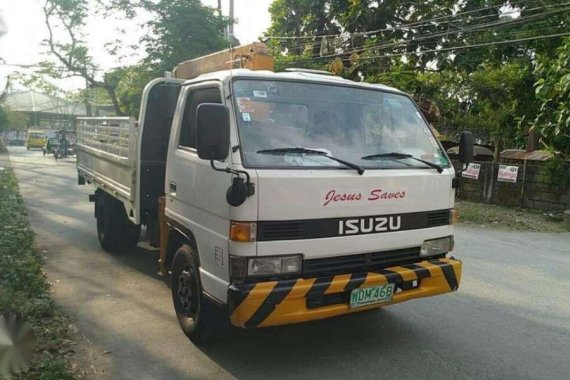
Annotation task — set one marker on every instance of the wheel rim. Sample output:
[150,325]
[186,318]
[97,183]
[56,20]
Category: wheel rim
[186,292]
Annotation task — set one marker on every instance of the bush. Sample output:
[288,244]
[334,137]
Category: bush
[556,173]
[24,290]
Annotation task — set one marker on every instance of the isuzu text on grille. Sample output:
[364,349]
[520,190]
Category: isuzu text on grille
[369,225]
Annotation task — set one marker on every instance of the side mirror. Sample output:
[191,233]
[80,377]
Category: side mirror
[213,131]
[237,193]
[465,155]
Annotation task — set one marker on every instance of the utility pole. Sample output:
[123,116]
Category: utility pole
[231,25]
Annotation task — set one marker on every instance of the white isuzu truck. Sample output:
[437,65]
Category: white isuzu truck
[278,197]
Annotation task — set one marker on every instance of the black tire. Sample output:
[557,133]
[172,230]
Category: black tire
[108,229]
[131,236]
[114,230]
[193,311]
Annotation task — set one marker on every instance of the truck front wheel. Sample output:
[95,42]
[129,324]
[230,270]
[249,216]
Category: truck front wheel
[192,309]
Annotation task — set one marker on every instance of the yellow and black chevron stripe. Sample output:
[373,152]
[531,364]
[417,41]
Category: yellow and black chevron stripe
[287,301]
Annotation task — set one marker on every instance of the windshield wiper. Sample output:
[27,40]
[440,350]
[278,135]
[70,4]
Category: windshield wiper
[399,156]
[300,150]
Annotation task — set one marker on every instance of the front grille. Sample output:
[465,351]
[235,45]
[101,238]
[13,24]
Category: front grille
[329,227]
[437,218]
[367,262]
[286,230]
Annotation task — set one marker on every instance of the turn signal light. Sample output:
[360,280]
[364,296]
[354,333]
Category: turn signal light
[454,216]
[243,231]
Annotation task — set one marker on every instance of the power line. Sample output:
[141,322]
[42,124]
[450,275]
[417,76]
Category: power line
[3,63]
[416,23]
[467,46]
[451,48]
[429,22]
[475,28]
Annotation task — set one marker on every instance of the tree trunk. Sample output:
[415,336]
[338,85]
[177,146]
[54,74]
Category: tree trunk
[116,105]
[498,149]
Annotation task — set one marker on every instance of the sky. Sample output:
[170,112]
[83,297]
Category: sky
[25,29]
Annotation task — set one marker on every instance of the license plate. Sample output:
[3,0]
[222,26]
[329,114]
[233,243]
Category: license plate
[372,295]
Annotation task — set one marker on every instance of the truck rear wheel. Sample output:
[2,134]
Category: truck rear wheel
[114,230]
[192,309]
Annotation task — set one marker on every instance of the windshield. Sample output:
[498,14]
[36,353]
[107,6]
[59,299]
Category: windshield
[347,123]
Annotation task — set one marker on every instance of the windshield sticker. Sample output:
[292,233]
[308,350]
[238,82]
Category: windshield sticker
[433,142]
[418,115]
[260,94]
[271,88]
[245,105]
[393,102]
[427,131]
[245,116]
[307,160]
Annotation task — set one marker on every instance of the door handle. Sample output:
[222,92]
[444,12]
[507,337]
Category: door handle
[172,187]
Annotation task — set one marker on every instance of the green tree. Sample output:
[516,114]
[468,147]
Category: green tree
[443,52]
[553,93]
[181,30]
[12,120]
[3,119]
[130,83]
[70,51]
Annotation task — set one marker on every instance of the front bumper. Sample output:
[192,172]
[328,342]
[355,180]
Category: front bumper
[282,302]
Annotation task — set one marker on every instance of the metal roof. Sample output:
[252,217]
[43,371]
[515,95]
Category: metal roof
[521,154]
[32,101]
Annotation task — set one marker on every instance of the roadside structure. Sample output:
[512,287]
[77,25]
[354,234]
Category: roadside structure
[47,111]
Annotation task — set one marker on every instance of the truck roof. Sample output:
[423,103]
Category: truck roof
[225,76]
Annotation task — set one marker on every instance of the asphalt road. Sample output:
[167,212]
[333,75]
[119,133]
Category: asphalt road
[509,319]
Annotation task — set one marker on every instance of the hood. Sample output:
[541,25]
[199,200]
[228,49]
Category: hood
[318,194]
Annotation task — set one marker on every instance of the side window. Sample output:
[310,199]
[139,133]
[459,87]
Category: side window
[195,98]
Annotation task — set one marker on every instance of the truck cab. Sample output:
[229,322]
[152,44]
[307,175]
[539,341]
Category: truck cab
[280,197]
[307,229]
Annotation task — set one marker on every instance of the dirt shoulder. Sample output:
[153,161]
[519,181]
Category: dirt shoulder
[512,219]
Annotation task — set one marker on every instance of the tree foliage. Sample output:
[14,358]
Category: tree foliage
[443,52]
[553,93]
[181,30]
[3,119]
[12,120]
[130,82]
[178,30]
[69,49]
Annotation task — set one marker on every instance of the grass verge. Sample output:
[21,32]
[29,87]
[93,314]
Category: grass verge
[505,218]
[24,289]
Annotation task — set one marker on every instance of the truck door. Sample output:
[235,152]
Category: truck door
[196,194]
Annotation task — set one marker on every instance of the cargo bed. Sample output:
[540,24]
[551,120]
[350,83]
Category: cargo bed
[107,155]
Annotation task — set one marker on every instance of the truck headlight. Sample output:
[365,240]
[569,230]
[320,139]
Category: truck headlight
[264,266]
[437,246]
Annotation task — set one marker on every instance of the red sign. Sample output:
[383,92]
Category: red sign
[472,171]
[508,173]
